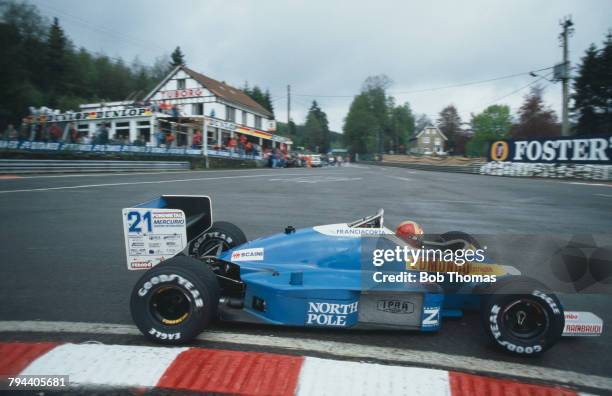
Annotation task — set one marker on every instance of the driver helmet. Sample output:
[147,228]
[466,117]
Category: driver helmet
[410,232]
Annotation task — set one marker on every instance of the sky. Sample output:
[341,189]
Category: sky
[326,49]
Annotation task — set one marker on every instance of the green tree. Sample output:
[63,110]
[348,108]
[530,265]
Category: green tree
[267,99]
[374,124]
[177,58]
[402,127]
[316,129]
[259,96]
[494,123]
[593,90]
[535,118]
[449,122]
[359,135]
[57,62]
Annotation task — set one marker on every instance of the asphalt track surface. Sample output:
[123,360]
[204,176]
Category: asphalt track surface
[63,253]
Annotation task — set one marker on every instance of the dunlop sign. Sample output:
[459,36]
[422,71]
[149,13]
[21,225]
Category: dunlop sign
[580,150]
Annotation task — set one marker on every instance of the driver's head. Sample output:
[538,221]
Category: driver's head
[410,232]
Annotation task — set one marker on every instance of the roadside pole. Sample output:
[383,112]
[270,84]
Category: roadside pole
[205,139]
[567,30]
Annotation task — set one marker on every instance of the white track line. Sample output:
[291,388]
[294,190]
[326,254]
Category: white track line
[340,350]
[141,182]
[150,173]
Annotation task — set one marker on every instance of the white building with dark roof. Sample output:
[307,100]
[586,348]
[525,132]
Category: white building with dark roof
[183,103]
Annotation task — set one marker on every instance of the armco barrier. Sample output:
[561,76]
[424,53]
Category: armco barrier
[472,168]
[10,166]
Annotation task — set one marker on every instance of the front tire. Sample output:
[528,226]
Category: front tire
[522,317]
[175,300]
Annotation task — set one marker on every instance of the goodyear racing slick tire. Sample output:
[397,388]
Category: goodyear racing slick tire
[175,300]
[221,232]
[453,235]
[521,316]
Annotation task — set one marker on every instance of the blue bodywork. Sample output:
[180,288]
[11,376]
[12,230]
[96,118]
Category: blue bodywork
[315,278]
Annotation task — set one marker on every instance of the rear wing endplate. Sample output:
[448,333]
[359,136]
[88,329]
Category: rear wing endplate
[161,228]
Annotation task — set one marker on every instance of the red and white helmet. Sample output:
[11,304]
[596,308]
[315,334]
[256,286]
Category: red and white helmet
[410,232]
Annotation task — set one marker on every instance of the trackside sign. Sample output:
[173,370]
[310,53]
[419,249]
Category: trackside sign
[579,150]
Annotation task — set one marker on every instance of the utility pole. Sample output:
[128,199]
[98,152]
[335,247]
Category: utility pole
[566,24]
[288,107]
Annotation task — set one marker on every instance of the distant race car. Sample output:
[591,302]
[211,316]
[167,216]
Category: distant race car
[199,271]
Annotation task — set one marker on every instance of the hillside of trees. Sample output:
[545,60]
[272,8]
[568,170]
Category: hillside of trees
[41,66]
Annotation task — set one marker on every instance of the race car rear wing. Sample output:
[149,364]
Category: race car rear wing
[163,227]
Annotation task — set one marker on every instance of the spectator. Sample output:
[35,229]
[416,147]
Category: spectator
[169,139]
[197,139]
[249,148]
[55,133]
[159,138]
[73,133]
[232,144]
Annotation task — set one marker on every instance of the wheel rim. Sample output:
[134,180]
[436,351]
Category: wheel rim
[171,305]
[525,319]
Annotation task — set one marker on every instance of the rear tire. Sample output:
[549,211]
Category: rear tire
[175,300]
[522,317]
[222,232]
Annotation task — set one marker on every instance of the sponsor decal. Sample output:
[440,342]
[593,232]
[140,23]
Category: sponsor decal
[499,151]
[344,230]
[583,150]
[395,306]
[329,314]
[181,93]
[253,254]
[141,264]
[95,115]
[431,317]
[582,324]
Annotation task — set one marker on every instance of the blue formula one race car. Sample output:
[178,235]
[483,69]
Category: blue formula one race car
[332,276]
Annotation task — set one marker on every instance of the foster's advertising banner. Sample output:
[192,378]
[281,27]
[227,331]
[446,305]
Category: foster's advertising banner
[577,150]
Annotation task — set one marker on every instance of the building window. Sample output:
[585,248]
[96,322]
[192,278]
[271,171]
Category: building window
[426,139]
[257,122]
[197,109]
[244,117]
[180,84]
[230,113]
